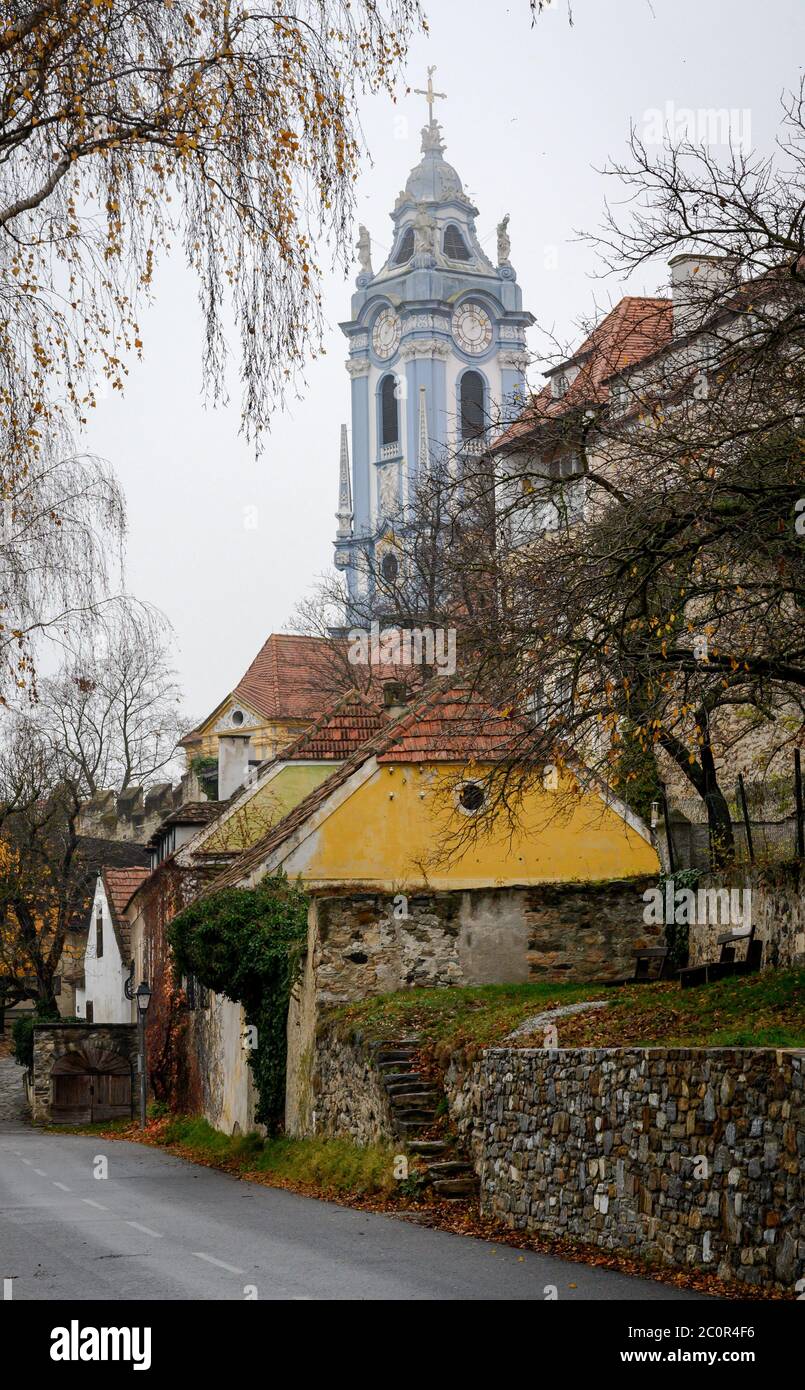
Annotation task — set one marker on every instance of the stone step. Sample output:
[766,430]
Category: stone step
[416,1099]
[451,1168]
[429,1146]
[394,1077]
[404,1127]
[401,1064]
[396,1055]
[419,1115]
[456,1187]
[409,1087]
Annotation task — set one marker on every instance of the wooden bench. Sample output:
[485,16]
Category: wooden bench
[646,959]
[726,963]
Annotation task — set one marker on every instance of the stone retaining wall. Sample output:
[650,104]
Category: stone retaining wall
[346,1094]
[363,944]
[693,1157]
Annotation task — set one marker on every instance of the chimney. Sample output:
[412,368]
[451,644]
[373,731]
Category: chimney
[233,763]
[394,694]
[698,285]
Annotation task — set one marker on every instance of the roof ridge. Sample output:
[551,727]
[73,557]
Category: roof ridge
[377,743]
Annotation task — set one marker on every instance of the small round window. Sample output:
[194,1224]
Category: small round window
[471,797]
[389,566]
[237,716]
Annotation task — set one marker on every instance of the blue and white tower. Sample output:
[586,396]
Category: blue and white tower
[436,356]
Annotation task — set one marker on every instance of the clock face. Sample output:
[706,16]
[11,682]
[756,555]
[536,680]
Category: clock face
[386,334]
[472,329]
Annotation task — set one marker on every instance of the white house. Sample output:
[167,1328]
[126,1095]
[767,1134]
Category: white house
[100,994]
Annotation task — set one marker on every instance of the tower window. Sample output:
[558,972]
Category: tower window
[454,244]
[389,412]
[472,405]
[389,566]
[405,249]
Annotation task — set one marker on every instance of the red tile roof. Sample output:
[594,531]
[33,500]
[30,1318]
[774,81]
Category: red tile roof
[339,732]
[121,885]
[443,724]
[288,678]
[635,329]
[455,726]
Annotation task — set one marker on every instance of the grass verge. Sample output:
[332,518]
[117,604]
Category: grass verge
[763,1010]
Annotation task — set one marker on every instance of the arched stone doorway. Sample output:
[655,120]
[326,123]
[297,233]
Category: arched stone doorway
[88,1084]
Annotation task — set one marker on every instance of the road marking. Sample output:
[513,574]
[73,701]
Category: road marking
[63,1186]
[146,1229]
[211,1260]
[40,1172]
[91,1203]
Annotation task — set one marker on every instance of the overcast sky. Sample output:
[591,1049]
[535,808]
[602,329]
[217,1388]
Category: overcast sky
[531,116]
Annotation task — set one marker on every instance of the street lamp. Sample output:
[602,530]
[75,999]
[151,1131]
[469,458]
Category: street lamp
[143,999]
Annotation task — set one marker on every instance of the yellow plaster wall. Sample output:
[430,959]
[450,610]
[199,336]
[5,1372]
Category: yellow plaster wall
[389,833]
[268,804]
[267,739]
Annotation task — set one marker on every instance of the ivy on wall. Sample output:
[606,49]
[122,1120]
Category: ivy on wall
[248,944]
[677,934]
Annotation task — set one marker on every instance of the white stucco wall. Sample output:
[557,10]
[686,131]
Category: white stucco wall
[103,979]
[228,1090]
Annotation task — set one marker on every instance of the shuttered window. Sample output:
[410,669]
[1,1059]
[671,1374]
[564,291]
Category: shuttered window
[454,244]
[390,420]
[472,405]
[406,248]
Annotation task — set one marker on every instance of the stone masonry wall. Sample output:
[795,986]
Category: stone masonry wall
[602,1145]
[346,1094]
[363,944]
[53,1040]
[370,943]
[778,914]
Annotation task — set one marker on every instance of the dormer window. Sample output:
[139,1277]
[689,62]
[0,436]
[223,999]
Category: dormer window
[405,250]
[560,385]
[454,244]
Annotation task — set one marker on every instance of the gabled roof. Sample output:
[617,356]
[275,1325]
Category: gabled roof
[192,813]
[339,732]
[635,329]
[288,679]
[120,885]
[443,723]
[285,680]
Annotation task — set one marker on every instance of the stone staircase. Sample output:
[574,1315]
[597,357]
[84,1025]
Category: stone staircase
[413,1099]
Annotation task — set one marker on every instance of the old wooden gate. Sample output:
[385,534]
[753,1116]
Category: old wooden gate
[90,1084]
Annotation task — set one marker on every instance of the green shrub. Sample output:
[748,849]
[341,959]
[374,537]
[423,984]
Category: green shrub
[22,1035]
[248,943]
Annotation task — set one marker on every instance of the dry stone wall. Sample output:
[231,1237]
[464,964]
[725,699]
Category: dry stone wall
[692,1157]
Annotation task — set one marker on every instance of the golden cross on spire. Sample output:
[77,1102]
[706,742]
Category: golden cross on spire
[429,93]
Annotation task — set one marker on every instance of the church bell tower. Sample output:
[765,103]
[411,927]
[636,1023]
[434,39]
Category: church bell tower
[436,357]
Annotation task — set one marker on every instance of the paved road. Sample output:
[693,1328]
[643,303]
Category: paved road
[160,1228]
